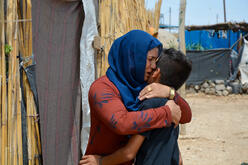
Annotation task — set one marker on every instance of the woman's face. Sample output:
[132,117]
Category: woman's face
[152,56]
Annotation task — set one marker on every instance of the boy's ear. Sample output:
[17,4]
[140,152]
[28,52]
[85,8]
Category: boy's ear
[156,75]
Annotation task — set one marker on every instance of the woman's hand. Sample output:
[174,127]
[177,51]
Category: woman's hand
[154,90]
[90,160]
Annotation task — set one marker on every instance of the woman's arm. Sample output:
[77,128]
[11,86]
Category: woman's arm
[107,106]
[124,154]
[159,90]
[186,114]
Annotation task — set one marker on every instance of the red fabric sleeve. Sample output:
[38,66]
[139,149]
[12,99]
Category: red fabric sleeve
[107,105]
[185,109]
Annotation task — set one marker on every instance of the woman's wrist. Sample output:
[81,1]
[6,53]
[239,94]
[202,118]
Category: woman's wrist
[167,91]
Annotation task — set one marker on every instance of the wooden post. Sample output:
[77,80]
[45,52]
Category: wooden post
[181,26]
[182,48]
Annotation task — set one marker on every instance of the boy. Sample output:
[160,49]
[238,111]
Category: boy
[158,146]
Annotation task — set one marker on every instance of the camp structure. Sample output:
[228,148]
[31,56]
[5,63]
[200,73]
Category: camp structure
[218,52]
[222,35]
[51,52]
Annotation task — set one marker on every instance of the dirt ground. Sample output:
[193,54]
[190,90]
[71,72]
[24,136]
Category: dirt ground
[218,132]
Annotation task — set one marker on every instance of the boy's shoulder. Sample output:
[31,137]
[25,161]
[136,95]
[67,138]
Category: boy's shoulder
[152,103]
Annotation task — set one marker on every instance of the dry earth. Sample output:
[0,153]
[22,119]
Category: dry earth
[218,132]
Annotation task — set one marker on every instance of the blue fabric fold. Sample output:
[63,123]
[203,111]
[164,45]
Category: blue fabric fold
[127,62]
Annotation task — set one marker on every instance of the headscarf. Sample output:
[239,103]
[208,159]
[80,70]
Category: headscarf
[127,62]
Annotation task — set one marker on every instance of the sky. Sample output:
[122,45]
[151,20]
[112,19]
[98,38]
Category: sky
[203,12]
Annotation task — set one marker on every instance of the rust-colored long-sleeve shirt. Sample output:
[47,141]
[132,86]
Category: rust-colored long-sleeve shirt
[111,122]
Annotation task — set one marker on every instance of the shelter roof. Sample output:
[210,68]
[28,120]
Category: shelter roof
[221,26]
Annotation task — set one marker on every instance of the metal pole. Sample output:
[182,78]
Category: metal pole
[170,19]
[224,6]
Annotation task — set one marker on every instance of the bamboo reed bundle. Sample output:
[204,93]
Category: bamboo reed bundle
[117,18]
[11,58]
[1,47]
[157,14]
[15,88]
[15,146]
[1,54]
[15,83]
[18,36]
[15,98]
[4,134]
[34,147]
[18,152]
[19,122]
[0,106]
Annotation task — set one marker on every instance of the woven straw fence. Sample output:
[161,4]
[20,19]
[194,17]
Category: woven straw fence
[19,129]
[117,18]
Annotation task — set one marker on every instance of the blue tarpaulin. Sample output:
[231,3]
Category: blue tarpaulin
[211,39]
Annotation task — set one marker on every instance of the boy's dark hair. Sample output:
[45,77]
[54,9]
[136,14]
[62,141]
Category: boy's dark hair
[174,68]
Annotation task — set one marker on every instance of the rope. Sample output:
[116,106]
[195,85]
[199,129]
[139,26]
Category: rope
[18,20]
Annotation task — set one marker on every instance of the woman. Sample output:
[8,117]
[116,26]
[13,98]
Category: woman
[115,98]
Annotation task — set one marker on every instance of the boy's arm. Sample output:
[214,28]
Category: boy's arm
[124,154]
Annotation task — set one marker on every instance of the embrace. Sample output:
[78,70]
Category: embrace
[135,109]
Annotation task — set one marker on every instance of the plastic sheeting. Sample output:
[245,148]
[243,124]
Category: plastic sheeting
[209,65]
[87,68]
[243,66]
[235,60]
[210,39]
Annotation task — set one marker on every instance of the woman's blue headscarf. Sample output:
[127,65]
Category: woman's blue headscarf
[127,60]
